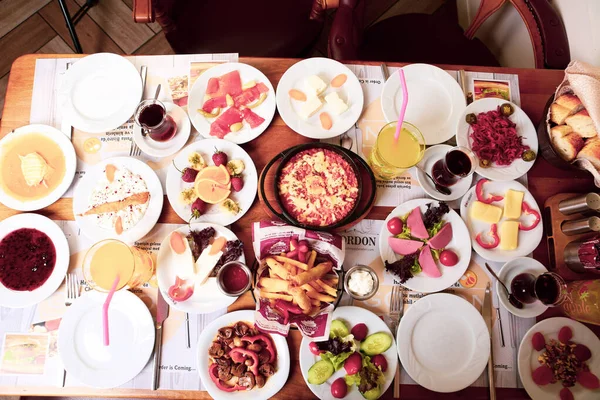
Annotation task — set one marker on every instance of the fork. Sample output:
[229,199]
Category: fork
[396,312]
[134,150]
[73,289]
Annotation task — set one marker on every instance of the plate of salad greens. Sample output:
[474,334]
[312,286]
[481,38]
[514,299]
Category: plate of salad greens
[358,361]
[423,245]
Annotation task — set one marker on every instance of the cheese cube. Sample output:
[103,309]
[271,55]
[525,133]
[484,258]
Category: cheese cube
[315,85]
[336,104]
[310,107]
[486,212]
[509,235]
[512,204]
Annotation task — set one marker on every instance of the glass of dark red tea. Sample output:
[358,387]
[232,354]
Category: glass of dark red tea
[459,162]
[234,278]
[549,288]
[152,116]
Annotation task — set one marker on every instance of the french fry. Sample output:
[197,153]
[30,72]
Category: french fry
[331,281]
[303,300]
[315,302]
[311,260]
[268,295]
[277,268]
[291,261]
[320,296]
[308,288]
[311,275]
[328,289]
[315,286]
[274,285]
[293,270]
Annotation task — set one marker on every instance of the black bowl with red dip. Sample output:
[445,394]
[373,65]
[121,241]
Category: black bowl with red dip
[27,259]
[234,278]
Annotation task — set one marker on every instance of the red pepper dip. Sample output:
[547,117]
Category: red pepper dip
[234,278]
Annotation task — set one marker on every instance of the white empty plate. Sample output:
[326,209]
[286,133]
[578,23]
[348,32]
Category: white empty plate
[214,213]
[247,73]
[274,383]
[443,343]
[165,149]
[83,192]
[80,340]
[524,129]
[19,299]
[352,316]
[528,240]
[206,298]
[435,101]
[326,69]
[100,92]
[421,282]
[70,165]
[508,272]
[432,155]
[528,358]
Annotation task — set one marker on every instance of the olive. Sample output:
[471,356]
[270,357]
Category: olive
[507,109]
[471,119]
[485,163]
[528,155]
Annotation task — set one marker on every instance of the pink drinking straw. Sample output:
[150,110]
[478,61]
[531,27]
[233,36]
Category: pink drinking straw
[404,103]
[105,310]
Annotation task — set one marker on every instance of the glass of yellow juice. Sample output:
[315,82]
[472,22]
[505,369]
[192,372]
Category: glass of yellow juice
[109,258]
[389,158]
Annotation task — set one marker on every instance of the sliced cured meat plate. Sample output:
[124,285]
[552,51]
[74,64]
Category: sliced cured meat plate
[404,246]
[230,83]
[442,238]
[221,126]
[214,102]
[252,118]
[428,263]
[415,223]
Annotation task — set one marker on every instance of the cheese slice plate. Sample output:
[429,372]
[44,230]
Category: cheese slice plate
[206,297]
[322,86]
[514,241]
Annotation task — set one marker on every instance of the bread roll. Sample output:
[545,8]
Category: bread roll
[558,113]
[566,142]
[582,123]
[570,101]
[591,152]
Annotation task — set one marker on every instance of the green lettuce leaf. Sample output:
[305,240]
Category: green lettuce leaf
[435,228]
[352,379]
[336,361]
[436,253]
[416,267]
[405,234]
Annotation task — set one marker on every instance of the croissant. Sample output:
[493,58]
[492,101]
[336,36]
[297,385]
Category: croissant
[34,168]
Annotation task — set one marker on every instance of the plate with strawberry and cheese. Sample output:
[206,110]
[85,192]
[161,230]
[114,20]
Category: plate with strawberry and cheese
[503,219]
[232,101]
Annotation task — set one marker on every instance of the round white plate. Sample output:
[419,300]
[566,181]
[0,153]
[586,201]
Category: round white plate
[273,384]
[528,240]
[247,73]
[511,269]
[84,189]
[80,341]
[165,149]
[18,299]
[100,92]
[206,298]
[435,101]
[351,92]
[524,128]
[352,316]
[70,165]
[443,343]
[431,156]
[422,283]
[528,358]
[214,213]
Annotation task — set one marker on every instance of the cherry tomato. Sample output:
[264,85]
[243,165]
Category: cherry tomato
[380,361]
[448,258]
[395,226]
[314,348]
[339,389]
[353,364]
[360,332]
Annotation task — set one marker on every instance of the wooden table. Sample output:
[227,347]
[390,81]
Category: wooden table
[545,180]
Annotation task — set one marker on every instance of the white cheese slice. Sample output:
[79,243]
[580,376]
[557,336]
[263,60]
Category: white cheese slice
[315,85]
[205,264]
[310,107]
[336,104]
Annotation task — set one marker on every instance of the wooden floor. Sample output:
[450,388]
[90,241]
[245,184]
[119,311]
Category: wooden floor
[38,26]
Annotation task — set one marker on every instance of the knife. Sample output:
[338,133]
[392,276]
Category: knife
[486,312]
[65,126]
[162,312]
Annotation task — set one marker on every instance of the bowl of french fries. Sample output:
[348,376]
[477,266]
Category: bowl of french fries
[299,278]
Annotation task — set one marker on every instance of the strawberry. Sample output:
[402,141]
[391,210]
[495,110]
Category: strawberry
[188,174]
[219,158]
[237,183]
[198,208]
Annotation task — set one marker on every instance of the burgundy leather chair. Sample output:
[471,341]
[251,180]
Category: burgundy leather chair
[289,28]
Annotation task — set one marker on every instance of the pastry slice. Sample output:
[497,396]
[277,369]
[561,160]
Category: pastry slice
[566,142]
[570,101]
[582,123]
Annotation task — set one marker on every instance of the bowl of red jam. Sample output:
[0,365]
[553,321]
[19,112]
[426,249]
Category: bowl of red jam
[234,278]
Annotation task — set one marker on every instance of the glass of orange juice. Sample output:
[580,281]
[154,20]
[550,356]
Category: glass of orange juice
[389,158]
[109,258]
